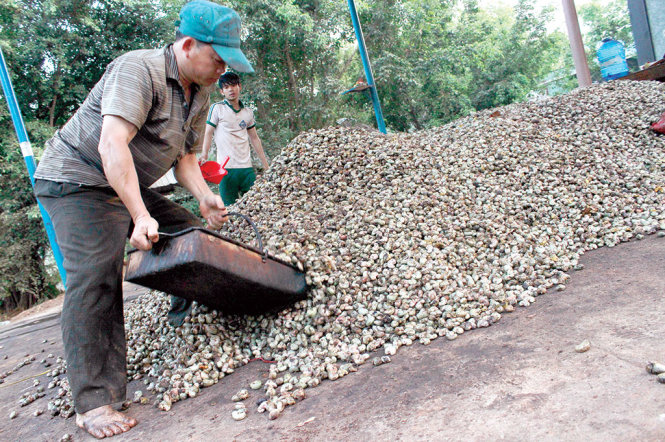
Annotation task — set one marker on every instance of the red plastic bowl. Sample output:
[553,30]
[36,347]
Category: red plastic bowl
[213,172]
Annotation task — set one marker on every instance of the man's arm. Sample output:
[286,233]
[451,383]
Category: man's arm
[188,173]
[121,174]
[258,147]
[207,142]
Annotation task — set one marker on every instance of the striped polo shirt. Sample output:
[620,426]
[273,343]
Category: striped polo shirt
[231,136]
[143,87]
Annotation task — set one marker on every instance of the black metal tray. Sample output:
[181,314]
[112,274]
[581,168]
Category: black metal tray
[216,271]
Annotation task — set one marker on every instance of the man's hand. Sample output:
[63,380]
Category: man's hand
[213,210]
[145,232]
[188,173]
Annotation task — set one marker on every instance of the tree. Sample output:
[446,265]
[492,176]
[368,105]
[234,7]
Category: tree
[58,49]
[435,61]
[23,244]
[606,19]
[522,53]
[293,45]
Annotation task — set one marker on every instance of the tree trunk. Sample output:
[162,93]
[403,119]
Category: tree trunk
[51,111]
[312,79]
[16,298]
[261,109]
[293,87]
[414,118]
[260,106]
[41,282]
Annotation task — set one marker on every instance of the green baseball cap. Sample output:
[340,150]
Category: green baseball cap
[218,25]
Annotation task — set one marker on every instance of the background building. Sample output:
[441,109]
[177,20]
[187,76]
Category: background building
[648,21]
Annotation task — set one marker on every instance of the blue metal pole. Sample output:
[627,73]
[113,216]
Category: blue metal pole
[26,150]
[368,68]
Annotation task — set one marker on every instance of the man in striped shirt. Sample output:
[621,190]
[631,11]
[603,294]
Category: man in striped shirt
[144,116]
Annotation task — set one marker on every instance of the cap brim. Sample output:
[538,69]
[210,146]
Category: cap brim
[234,58]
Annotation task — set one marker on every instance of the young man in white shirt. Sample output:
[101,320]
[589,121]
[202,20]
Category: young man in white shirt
[233,127]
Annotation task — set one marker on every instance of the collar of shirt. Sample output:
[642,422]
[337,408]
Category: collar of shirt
[173,74]
[172,69]
[233,108]
[171,65]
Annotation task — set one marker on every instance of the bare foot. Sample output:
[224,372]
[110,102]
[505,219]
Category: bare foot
[104,422]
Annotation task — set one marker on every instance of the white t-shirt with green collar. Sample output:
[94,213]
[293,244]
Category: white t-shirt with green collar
[231,136]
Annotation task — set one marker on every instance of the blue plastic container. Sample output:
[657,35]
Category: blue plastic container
[612,59]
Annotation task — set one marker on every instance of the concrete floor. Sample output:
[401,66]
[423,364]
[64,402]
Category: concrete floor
[517,380]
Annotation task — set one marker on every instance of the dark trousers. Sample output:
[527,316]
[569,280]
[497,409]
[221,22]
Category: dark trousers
[91,226]
[236,183]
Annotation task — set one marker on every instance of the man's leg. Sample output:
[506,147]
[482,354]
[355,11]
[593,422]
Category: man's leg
[247,180]
[91,227]
[171,218]
[228,187]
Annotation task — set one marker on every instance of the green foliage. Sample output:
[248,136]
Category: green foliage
[606,19]
[26,280]
[435,61]
[522,53]
[58,49]
[23,244]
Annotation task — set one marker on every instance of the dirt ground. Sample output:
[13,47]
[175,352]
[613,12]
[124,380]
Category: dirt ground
[517,380]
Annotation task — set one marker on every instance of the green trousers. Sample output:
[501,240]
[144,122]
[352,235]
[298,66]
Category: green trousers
[235,184]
